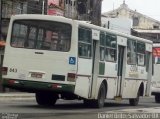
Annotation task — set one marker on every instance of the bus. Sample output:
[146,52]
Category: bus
[60,58]
[155,85]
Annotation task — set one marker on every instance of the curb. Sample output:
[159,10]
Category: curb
[15,96]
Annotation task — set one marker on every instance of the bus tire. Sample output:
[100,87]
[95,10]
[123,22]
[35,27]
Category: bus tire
[135,101]
[46,99]
[99,103]
[157,98]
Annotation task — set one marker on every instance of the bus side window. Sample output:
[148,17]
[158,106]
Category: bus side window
[141,53]
[147,57]
[102,46]
[131,52]
[84,42]
[111,48]
[158,60]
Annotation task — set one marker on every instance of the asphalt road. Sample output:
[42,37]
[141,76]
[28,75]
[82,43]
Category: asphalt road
[28,109]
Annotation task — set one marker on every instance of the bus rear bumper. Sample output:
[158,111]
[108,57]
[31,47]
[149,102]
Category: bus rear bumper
[34,86]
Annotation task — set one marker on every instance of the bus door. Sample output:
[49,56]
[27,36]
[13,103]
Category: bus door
[121,62]
[95,63]
[87,63]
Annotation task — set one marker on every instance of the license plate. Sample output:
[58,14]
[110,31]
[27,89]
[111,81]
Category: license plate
[36,75]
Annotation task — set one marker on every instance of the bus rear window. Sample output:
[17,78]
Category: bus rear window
[43,35]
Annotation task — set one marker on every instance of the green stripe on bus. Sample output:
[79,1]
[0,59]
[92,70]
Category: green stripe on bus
[33,85]
[101,68]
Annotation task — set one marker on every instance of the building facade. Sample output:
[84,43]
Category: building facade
[142,26]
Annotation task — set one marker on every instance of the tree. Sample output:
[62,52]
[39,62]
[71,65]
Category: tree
[91,8]
[95,14]
[82,6]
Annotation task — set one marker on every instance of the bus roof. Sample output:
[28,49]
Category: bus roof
[156,44]
[43,17]
[114,32]
[82,23]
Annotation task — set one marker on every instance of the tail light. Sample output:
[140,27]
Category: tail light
[71,77]
[4,70]
[11,82]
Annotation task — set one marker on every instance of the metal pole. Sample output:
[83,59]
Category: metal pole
[43,7]
[88,10]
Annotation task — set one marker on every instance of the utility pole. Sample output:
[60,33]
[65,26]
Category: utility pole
[95,14]
[43,6]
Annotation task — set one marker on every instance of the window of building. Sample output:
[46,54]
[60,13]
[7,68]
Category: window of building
[135,21]
[141,53]
[131,52]
[84,42]
[11,7]
[155,27]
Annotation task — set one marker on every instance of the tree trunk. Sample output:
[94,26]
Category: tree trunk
[95,6]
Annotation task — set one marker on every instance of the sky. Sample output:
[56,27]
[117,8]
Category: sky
[150,8]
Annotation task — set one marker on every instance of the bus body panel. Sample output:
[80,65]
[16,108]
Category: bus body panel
[44,63]
[83,81]
[111,90]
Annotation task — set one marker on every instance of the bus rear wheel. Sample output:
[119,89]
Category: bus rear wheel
[135,101]
[157,98]
[46,99]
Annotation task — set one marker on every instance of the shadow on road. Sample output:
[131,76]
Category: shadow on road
[77,105]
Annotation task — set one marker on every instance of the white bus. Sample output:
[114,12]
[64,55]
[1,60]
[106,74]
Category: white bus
[56,57]
[155,87]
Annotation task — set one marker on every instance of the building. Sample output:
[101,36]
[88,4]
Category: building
[143,26]
[55,7]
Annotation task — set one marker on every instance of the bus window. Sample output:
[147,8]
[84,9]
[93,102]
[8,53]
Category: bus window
[131,52]
[43,35]
[102,53]
[102,46]
[30,39]
[147,61]
[157,60]
[110,51]
[156,54]
[141,53]
[19,35]
[84,43]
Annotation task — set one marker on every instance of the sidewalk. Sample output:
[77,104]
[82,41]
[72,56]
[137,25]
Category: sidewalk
[16,96]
